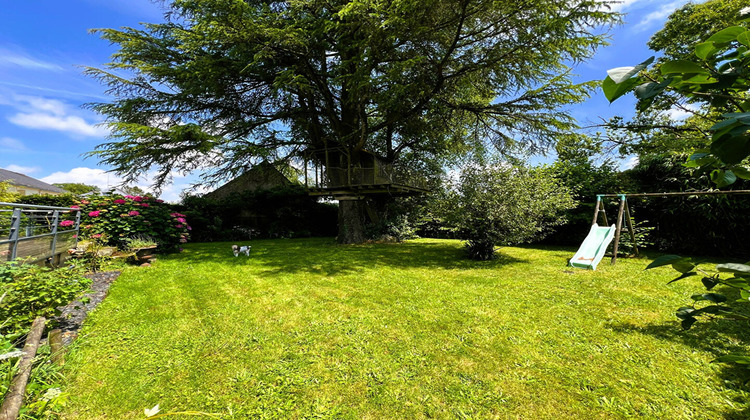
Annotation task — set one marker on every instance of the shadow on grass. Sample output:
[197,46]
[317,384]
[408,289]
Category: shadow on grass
[710,337]
[324,256]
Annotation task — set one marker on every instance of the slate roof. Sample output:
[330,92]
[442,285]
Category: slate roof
[22,180]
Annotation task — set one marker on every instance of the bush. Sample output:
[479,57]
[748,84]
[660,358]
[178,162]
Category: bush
[700,225]
[502,205]
[119,218]
[30,291]
[62,200]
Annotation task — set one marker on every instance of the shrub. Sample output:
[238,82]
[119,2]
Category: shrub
[502,205]
[30,291]
[120,218]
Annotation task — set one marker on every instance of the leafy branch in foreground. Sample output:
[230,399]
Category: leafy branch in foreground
[718,80]
[717,303]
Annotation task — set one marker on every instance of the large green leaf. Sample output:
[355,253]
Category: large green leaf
[682,66]
[705,50]
[711,297]
[664,260]
[733,268]
[734,358]
[723,177]
[744,38]
[651,89]
[709,282]
[621,74]
[741,172]
[732,149]
[614,90]
[684,266]
[685,312]
[683,276]
[726,35]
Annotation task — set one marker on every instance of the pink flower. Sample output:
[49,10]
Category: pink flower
[137,198]
[75,207]
[75,236]
[181,220]
[189,228]
[119,201]
[159,201]
[94,213]
[65,223]
[96,235]
[133,213]
[178,226]
[130,196]
[84,202]
[144,204]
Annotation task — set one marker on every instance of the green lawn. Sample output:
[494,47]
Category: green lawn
[310,329]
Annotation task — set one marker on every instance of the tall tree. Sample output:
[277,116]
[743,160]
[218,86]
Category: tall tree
[78,188]
[224,83]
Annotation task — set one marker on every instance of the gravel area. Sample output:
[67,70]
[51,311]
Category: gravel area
[73,314]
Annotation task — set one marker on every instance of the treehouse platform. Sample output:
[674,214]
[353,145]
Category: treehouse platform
[331,173]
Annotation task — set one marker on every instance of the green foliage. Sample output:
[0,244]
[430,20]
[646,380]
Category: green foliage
[690,24]
[119,218]
[78,188]
[428,79]
[735,278]
[6,196]
[718,81]
[724,220]
[62,200]
[140,241]
[503,205]
[43,398]
[31,291]
[576,169]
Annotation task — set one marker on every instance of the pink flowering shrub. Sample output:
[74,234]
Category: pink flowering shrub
[67,223]
[122,217]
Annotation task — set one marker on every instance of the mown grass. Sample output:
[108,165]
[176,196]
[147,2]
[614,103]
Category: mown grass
[310,329]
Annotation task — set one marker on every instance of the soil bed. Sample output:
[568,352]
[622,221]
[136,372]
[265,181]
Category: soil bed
[73,314]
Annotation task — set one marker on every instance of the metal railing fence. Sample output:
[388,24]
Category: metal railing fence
[37,232]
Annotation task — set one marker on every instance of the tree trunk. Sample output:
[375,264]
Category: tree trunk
[351,222]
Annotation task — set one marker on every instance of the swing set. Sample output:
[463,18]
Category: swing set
[595,245]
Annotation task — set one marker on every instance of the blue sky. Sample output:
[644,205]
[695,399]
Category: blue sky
[44,130]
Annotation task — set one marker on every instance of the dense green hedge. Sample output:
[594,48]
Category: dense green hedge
[282,212]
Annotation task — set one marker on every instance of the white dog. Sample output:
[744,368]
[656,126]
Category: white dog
[237,250]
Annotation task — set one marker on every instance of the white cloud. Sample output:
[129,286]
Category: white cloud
[22,169]
[50,114]
[618,6]
[69,124]
[7,143]
[107,181]
[658,15]
[88,176]
[679,114]
[18,59]
[630,163]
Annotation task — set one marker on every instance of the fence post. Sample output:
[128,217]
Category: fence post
[15,226]
[55,221]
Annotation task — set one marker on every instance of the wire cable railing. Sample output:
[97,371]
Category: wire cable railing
[37,232]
